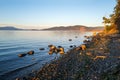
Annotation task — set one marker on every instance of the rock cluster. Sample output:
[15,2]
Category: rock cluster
[98,60]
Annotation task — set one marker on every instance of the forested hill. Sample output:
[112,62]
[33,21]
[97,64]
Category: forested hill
[76,27]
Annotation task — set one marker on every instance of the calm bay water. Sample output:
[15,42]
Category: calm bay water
[13,43]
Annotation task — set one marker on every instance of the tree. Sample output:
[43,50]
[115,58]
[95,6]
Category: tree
[113,22]
[117,15]
[105,20]
[107,23]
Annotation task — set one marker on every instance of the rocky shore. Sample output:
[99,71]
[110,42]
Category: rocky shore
[100,61]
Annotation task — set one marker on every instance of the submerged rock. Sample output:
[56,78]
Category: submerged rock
[59,46]
[76,37]
[42,49]
[22,55]
[33,58]
[74,45]
[71,46]
[70,39]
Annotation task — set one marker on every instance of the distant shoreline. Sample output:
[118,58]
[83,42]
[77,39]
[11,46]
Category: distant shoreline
[62,28]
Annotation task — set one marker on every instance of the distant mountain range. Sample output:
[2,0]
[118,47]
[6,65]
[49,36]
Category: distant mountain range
[76,27]
[14,28]
[63,28]
[9,28]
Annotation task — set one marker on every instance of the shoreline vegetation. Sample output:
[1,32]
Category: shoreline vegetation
[99,61]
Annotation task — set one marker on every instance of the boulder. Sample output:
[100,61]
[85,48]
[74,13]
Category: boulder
[31,52]
[86,41]
[50,45]
[61,50]
[83,46]
[50,52]
[57,50]
[78,48]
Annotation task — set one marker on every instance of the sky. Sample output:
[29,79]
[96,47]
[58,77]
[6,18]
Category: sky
[48,13]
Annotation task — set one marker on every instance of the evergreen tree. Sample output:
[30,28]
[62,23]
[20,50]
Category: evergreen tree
[113,22]
[117,15]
